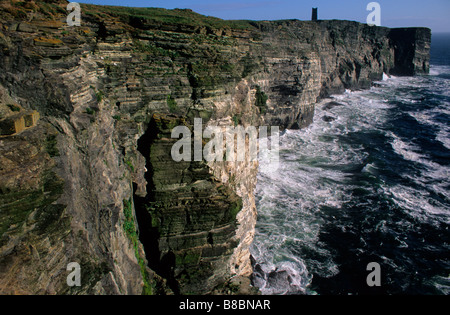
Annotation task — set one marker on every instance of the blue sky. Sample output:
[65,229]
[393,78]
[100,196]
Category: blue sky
[394,13]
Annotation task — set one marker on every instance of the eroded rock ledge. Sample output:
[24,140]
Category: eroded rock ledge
[92,181]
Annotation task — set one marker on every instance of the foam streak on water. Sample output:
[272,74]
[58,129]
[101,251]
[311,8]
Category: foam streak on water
[369,180]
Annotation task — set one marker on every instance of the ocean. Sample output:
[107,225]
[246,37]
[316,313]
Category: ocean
[368,181]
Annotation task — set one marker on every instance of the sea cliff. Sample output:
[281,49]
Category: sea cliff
[91,179]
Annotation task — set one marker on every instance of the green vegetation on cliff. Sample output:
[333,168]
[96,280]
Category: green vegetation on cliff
[185,17]
[261,100]
[130,228]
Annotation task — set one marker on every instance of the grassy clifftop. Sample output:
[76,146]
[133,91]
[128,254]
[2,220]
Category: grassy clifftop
[159,15]
[56,9]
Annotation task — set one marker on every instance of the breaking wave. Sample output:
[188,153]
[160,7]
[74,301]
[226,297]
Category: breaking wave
[369,180]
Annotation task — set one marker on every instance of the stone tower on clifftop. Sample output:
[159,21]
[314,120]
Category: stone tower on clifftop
[314,14]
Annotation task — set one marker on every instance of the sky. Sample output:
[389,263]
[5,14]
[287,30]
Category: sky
[434,14]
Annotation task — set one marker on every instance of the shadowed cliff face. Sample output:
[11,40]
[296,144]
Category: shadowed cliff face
[412,50]
[93,181]
[188,218]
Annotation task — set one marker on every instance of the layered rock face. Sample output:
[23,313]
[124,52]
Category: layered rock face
[412,50]
[188,219]
[93,180]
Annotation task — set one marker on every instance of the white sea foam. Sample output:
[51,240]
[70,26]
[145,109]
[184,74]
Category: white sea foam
[427,118]
[290,198]
[313,175]
[407,151]
[436,70]
[419,204]
[434,176]
[443,136]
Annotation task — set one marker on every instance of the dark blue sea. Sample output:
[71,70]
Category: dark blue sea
[368,181]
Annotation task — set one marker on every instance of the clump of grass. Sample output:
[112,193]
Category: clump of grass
[236,120]
[51,145]
[100,96]
[173,107]
[13,107]
[90,111]
[130,165]
[261,100]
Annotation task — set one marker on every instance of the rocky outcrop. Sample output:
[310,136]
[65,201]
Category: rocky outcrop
[412,50]
[188,218]
[93,181]
[18,122]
